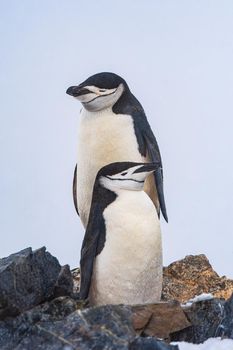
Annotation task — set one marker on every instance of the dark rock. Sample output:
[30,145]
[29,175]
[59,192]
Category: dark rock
[13,330]
[63,324]
[205,317]
[225,330]
[64,284]
[150,343]
[28,278]
[43,328]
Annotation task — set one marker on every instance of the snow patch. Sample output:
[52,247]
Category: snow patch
[210,344]
[201,297]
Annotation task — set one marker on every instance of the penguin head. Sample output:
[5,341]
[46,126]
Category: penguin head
[125,175]
[100,91]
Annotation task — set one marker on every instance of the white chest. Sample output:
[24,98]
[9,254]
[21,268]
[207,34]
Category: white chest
[104,137]
[129,268]
[110,135]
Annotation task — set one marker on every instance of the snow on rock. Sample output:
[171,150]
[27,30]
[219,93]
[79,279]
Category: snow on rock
[210,344]
[201,297]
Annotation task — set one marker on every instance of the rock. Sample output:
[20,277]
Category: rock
[33,317]
[76,279]
[62,324]
[191,276]
[64,284]
[159,320]
[150,344]
[225,330]
[28,278]
[35,314]
[55,310]
[205,317]
[21,329]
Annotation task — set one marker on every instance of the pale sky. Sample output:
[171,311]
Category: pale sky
[177,57]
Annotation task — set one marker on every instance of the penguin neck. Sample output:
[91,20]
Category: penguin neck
[113,193]
[126,102]
[103,196]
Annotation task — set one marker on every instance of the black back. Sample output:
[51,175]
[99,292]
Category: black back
[128,104]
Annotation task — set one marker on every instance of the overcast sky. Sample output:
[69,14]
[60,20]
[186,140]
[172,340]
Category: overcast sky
[177,57]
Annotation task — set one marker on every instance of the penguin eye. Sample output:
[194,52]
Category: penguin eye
[123,174]
[102,90]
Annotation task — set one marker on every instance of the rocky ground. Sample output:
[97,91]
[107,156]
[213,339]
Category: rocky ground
[39,308]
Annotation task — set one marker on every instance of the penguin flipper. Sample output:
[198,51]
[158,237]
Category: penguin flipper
[147,145]
[92,244]
[154,155]
[75,189]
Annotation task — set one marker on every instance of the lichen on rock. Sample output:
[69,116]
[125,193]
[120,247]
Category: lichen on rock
[192,276]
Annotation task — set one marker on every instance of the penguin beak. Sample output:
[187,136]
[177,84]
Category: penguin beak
[76,91]
[147,167]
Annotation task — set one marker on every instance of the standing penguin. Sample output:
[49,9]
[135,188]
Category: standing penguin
[121,256]
[113,128]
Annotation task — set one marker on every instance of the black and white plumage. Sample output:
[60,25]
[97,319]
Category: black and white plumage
[121,255]
[113,128]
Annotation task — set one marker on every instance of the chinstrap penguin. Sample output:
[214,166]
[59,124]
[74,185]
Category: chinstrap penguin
[121,255]
[113,128]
